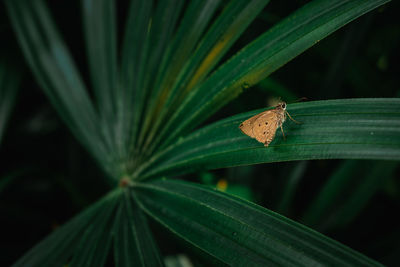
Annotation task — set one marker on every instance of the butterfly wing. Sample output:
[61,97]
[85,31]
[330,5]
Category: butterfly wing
[264,127]
[247,126]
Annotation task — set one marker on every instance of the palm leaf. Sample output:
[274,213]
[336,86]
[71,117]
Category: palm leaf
[196,17]
[134,245]
[161,33]
[58,247]
[286,40]
[57,74]
[94,244]
[237,232]
[163,69]
[86,239]
[332,129]
[135,54]
[226,29]
[100,33]
[99,25]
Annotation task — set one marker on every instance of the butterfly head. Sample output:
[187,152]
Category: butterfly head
[281,105]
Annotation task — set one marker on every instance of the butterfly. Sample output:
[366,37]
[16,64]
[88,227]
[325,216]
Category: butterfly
[263,126]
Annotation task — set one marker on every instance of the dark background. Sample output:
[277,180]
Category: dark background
[56,177]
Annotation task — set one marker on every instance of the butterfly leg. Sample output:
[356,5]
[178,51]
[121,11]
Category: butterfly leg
[283,133]
[290,117]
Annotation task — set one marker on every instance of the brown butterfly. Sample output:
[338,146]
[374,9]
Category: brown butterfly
[263,126]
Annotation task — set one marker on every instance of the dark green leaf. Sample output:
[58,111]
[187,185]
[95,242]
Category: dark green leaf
[238,232]
[95,241]
[162,27]
[100,34]
[348,129]
[257,60]
[134,244]
[163,24]
[194,22]
[135,52]
[56,72]
[57,248]
[226,29]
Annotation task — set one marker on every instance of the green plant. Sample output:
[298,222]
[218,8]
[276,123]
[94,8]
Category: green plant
[139,127]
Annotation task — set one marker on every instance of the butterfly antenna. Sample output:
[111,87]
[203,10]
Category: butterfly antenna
[301,99]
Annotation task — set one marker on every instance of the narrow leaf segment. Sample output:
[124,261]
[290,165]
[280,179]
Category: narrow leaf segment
[237,232]
[256,61]
[334,129]
[86,240]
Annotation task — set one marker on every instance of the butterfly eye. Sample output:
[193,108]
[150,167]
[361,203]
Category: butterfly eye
[284,105]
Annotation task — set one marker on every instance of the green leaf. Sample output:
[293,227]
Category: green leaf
[57,248]
[238,232]
[270,51]
[10,79]
[134,244]
[163,24]
[333,129]
[347,192]
[100,35]
[194,22]
[135,53]
[95,242]
[225,30]
[57,74]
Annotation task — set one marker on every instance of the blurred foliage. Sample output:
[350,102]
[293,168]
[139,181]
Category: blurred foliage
[47,176]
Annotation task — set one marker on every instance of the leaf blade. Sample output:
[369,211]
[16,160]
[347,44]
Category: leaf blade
[267,53]
[58,76]
[347,128]
[135,54]
[134,244]
[95,242]
[100,34]
[59,245]
[196,17]
[239,232]
[223,33]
